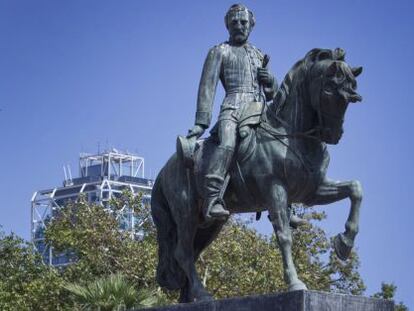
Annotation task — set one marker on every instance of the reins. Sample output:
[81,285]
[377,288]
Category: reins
[271,130]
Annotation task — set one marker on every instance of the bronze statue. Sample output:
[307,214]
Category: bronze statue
[241,67]
[280,158]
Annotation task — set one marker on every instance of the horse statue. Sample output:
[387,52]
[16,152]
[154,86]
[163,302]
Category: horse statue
[282,159]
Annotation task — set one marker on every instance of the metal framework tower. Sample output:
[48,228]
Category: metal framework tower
[101,177]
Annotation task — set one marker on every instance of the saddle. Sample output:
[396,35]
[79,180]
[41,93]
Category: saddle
[250,116]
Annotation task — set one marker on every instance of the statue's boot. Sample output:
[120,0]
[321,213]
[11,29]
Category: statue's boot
[217,167]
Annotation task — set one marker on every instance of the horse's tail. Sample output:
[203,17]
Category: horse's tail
[169,273]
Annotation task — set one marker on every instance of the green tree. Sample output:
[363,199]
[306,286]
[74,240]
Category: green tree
[239,262]
[91,233]
[25,282]
[388,292]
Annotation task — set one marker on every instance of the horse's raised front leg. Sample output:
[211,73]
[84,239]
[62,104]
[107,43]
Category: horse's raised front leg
[279,216]
[184,254]
[331,191]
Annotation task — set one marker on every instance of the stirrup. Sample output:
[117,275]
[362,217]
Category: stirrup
[216,209]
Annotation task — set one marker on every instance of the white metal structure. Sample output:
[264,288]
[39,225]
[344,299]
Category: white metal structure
[102,177]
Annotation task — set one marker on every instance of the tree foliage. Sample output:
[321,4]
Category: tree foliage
[388,292]
[91,233]
[239,262]
[25,282]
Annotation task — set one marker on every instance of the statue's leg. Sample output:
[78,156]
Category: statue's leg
[218,163]
[279,216]
[332,191]
[184,254]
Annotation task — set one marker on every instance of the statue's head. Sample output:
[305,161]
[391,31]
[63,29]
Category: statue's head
[239,21]
[333,86]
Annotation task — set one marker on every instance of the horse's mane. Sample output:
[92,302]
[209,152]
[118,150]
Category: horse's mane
[298,72]
[284,89]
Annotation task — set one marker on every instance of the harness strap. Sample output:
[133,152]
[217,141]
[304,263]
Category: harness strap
[271,130]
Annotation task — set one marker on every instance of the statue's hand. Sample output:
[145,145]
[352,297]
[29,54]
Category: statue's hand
[265,77]
[196,131]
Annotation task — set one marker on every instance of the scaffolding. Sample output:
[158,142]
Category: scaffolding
[101,177]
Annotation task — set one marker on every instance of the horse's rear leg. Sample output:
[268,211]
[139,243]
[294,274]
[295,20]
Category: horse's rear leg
[203,238]
[278,214]
[185,256]
[185,295]
[333,191]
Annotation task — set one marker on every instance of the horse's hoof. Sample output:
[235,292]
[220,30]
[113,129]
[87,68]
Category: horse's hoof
[296,222]
[343,246]
[205,297]
[298,285]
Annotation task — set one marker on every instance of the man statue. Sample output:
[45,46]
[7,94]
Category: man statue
[242,70]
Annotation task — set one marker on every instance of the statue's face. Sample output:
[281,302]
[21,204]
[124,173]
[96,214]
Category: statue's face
[239,27]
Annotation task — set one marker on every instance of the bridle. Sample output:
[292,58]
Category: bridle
[316,132]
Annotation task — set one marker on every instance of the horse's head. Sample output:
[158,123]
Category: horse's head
[332,86]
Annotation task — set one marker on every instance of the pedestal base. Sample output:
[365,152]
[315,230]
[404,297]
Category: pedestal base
[292,301]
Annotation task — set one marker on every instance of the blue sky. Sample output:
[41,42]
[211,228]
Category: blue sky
[124,74]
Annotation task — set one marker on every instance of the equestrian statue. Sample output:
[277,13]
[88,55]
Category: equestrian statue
[267,151]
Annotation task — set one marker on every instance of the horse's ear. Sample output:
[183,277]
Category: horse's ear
[356,71]
[339,54]
[331,70]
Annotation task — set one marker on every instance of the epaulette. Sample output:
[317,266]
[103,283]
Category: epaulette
[222,45]
[220,48]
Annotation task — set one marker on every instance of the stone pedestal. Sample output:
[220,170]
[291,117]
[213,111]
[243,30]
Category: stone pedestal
[292,301]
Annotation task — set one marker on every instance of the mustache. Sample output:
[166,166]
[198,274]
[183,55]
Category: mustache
[239,32]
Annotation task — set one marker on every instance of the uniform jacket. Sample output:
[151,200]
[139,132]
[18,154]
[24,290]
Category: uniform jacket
[236,68]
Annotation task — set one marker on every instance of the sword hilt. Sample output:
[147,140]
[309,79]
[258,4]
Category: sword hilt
[266,60]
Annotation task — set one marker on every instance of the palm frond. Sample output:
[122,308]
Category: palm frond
[111,293]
